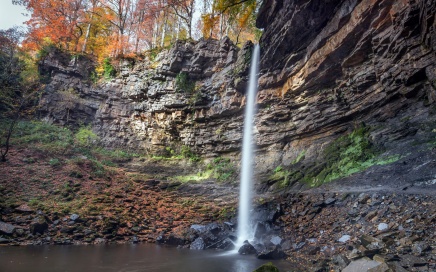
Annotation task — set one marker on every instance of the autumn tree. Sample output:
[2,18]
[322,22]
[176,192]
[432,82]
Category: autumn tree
[18,83]
[184,9]
[113,28]
[121,17]
[58,21]
[232,18]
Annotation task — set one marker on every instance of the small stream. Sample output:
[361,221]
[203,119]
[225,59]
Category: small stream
[142,257]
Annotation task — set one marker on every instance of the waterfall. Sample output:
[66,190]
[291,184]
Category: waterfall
[245,231]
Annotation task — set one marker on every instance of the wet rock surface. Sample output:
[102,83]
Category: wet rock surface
[356,63]
[328,67]
[317,239]
[318,228]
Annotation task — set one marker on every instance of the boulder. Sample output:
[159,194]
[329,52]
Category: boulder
[198,244]
[276,240]
[272,253]
[226,244]
[38,225]
[74,217]
[344,238]
[268,267]
[247,249]
[260,229]
[382,227]
[361,265]
[24,208]
[6,228]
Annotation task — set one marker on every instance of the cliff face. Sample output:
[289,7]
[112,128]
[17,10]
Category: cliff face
[335,64]
[187,95]
[326,68]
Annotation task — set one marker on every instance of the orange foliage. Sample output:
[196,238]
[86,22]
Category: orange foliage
[55,20]
[112,28]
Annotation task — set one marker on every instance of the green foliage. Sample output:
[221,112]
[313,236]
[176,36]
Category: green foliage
[98,169]
[152,53]
[34,202]
[57,140]
[108,69]
[75,174]
[226,213]
[187,153]
[257,33]
[13,65]
[54,162]
[85,136]
[177,153]
[44,136]
[223,169]
[184,83]
[114,155]
[93,77]
[47,47]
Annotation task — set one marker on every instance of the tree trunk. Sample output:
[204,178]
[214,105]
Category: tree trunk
[85,42]
[221,26]
[164,28]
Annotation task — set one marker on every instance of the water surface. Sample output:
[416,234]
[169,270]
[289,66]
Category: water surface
[142,257]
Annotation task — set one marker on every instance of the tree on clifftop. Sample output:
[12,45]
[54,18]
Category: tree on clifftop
[233,18]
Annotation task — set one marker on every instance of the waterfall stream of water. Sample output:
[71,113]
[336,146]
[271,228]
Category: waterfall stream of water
[245,230]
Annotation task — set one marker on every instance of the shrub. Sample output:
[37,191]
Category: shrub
[187,153]
[223,168]
[54,162]
[108,69]
[184,83]
[85,137]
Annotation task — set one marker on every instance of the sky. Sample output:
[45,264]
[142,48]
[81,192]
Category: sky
[11,15]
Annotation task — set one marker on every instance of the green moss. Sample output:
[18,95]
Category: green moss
[278,169]
[226,213]
[347,155]
[223,169]
[184,83]
[299,157]
[176,153]
[268,267]
[54,162]
[197,177]
[187,153]
[283,178]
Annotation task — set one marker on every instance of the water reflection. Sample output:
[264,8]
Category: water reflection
[124,258]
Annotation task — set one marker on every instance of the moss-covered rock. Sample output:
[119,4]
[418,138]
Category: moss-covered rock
[268,267]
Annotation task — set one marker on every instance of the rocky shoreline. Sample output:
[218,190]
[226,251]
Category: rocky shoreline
[384,231]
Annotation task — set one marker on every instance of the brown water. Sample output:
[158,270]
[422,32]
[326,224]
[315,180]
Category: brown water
[143,257]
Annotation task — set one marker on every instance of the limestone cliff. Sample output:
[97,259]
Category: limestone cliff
[327,67]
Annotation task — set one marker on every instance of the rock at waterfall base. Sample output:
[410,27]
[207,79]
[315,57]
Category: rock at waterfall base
[268,267]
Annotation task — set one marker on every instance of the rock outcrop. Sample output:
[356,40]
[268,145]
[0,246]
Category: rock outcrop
[327,67]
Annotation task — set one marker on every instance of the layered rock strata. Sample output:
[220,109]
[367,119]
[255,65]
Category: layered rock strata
[326,68]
